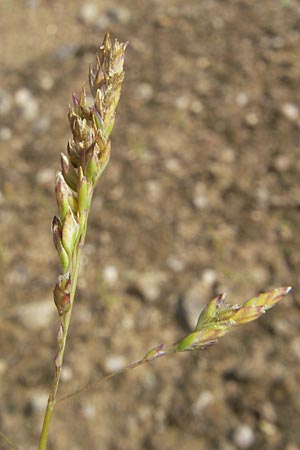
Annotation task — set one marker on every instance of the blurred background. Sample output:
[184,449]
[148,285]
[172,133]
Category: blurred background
[202,196]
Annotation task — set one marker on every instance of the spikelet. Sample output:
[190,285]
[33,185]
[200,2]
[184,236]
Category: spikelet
[217,318]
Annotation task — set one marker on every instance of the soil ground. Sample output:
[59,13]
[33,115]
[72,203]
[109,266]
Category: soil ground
[202,195]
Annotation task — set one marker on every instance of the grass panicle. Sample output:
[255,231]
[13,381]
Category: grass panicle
[87,155]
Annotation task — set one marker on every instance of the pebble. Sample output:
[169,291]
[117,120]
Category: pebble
[5,102]
[145,92]
[149,284]
[173,165]
[46,82]
[175,264]
[67,374]
[269,412]
[153,190]
[5,134]
[88,13]
[242,99]
[209,277]
[27,104]
[263,197]
[45,177]
[205,399]
[182,102]
[277,42]
[36,315]
[38,402]
[114,363]
[251,119]
[196,107]
[200,199]
[110,275]
[193,303]
[268,428]
[88,411]
[282,163]
[243,436]
[290,111]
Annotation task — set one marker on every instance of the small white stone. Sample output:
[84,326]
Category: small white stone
[182,102]
[150,283]
[251,119]
[67,374]
[110,275]
[242,99]
[277,42]
[243,436]
[205,399]
[193,302]
[200,199]
[114,363]
[38,402]
[209,277]
[27,103]
[46,82]
[45,176]
[196,107]
[5,134]
[89,411]
[88,13]
[145,91]
[175,264]
[36,315]
[282,163]
[173,165]
[154,189]
[290,111]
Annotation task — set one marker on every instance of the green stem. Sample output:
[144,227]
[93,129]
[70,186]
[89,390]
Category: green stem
[66,323]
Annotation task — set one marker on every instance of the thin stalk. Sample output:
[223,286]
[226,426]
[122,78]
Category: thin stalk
[67,318]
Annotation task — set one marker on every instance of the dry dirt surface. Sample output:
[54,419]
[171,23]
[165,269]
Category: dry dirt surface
[201,196]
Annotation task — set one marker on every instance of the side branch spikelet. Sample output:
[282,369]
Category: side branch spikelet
[217,318]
